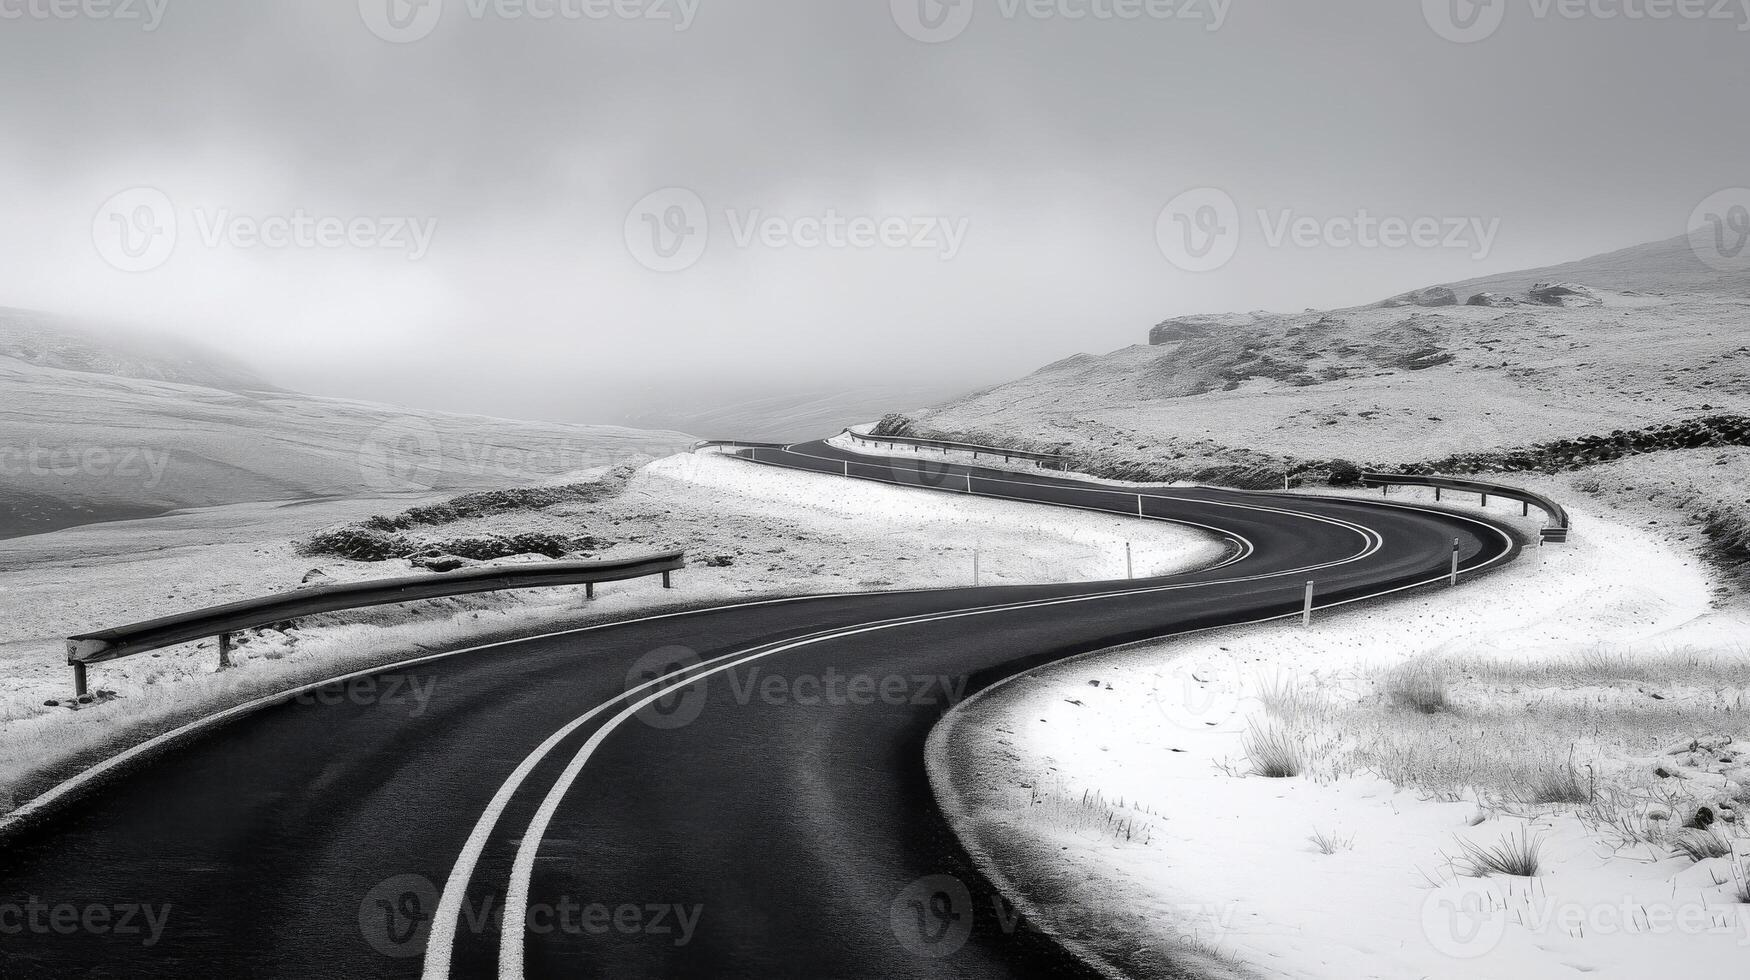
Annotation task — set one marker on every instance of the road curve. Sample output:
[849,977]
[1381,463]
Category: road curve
[732,792]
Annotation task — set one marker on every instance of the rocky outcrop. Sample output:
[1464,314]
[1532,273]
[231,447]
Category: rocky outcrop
[1493,300]
[1565,294]
[1180,329]
[1432,296]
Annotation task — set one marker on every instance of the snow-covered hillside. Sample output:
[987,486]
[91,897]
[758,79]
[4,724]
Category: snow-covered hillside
[1663,339]
[93,431]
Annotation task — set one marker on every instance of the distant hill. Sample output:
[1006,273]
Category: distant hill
[1648,335]
[93,431]
[789,416]
[48,341]
[1663,267]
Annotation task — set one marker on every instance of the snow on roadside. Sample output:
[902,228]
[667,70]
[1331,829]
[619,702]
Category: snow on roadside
[774,532]
[1215,866]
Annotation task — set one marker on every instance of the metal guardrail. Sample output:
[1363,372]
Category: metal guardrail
[1008,455]
[735,444]
[1559,523]
[222,621]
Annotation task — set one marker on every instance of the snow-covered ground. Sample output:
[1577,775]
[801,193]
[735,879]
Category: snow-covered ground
[1116,793]
[767,531]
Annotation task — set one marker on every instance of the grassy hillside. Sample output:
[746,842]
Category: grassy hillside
[93,432]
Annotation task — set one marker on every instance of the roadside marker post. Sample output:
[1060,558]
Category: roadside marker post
[1129,563]
[969,483]
[1139,505]
[1455,548]
[975,568]
[1306,615]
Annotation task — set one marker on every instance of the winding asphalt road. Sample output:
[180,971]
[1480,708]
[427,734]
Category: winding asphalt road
[731,792]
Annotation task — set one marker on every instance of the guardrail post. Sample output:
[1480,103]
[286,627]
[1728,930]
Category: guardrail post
[79,689]
[1485,500]
[224,651]
[1525,510]
[667,581]
[1455,548]
[1436,494]
[588,590]
[1306,614]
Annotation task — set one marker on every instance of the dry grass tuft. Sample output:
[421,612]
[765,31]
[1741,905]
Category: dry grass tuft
[1519,857]
[1274,752]
[1331,843]
[1700,845]
[1418,687]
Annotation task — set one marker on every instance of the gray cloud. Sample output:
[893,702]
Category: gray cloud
[1057,142]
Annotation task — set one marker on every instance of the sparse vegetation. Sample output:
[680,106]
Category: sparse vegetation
[1554,786]
[1419,687]
[1701,845]
[1519,857]
[380,538]
[1331,843]
[363,544]
[1274,752]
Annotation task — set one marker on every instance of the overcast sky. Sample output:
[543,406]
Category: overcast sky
[482,209]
